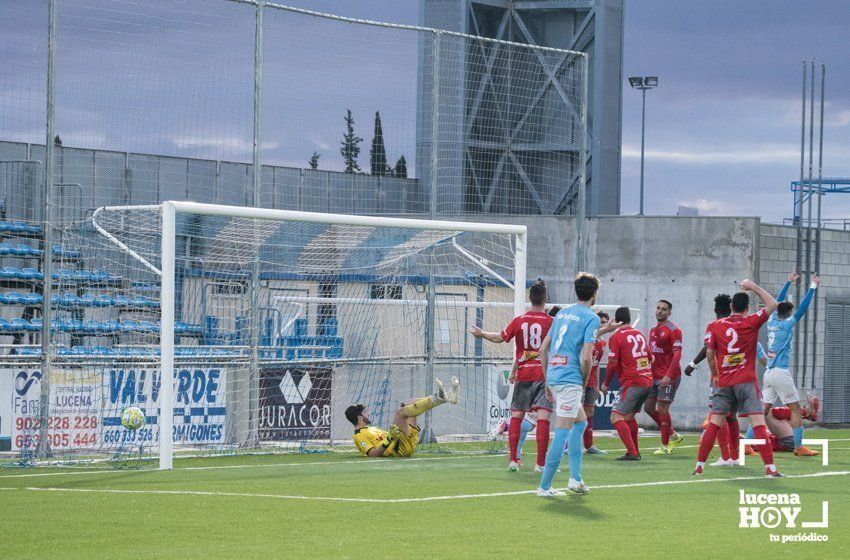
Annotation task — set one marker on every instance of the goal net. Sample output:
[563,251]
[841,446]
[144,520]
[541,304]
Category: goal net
[270,323]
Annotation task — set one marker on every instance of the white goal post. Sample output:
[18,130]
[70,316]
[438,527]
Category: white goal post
[170,210]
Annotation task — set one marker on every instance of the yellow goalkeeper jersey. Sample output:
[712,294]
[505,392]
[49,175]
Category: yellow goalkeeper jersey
[370,436]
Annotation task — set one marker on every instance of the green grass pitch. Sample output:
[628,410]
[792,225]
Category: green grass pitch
[432,506]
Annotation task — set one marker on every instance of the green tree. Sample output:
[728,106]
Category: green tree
[314,160]
[378,153]
[350,145]
[401,168]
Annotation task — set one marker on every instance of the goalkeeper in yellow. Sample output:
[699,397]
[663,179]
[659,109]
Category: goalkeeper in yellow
[403,437]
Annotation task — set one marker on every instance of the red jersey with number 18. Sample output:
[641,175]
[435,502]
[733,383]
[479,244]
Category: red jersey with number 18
[734,340]
[528,331]
[629,356]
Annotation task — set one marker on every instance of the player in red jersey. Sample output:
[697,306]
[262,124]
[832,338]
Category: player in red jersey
[731,354]
[591,390]
[527,331]
[630,360]
[665,343]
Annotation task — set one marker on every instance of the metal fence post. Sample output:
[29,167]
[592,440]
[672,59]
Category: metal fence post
[581,211]
[254,369]
[43,446]
[431,310]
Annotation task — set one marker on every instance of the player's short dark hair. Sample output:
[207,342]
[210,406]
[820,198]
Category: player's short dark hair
[537,293]
[784,309]
[554,310]
[740,302]
[670,305]
[586,285]
[623,315]
[602,315]
[722,305]
[353,412]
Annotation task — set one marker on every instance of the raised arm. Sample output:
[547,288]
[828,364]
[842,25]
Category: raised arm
[804,305]
[783,293]
[768,300]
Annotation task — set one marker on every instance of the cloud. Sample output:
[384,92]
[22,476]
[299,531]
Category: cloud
[715,206]
[746,155]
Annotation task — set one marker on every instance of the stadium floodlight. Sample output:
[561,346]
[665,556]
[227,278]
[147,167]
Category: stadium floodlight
[340,312]
[643,83]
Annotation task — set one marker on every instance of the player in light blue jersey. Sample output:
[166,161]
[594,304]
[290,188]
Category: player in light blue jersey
[567,357]
[778,382]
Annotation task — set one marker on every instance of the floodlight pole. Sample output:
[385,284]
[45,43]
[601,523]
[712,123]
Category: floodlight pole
[642,139]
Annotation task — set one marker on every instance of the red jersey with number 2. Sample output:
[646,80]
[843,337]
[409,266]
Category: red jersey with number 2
[528,331]
[734,340]
[629,356]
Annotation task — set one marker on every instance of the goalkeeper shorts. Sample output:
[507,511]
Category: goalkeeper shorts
[404,444]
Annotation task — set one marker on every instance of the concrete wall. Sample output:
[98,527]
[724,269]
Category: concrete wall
[643,259]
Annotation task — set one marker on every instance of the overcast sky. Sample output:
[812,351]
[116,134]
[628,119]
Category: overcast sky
[723,128]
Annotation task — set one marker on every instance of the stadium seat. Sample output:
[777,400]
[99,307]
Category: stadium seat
[111,327]
[59,251]
[22,325]
[69,299]
[102,300]
[33,299]
[30,274]
[131,326]
[15,298]
[122,301]
[5,325]
[149,326]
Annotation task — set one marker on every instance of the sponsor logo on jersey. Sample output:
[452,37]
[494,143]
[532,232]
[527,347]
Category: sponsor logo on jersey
[734,360]
[529,355]
[559,360]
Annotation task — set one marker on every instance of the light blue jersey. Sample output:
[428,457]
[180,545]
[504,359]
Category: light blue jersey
[780,332]
[760,353]
[573,327]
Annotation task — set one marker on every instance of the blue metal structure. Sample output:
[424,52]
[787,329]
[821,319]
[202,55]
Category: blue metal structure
[829,185]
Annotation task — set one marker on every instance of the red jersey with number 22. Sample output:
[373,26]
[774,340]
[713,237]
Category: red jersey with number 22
[629,356]
[734,340]
[528,331]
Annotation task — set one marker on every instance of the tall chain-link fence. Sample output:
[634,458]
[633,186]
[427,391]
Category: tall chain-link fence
[248,104]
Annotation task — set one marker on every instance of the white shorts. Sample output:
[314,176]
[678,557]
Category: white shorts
[778,384]
[567,400]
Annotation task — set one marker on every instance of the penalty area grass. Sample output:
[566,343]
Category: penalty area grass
[340,505]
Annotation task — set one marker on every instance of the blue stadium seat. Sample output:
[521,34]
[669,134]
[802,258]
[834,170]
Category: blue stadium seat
[130,326]
[9,273]
[122,301]
[69,299]
[15,298]
[33,298]
[31,274]
[5,326]
[22,325]
[104,300]
[149,326]
[112,326]
[59,251]
[87,300]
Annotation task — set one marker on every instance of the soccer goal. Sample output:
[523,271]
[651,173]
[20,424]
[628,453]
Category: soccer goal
[271,322]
